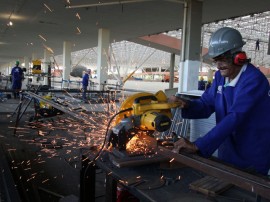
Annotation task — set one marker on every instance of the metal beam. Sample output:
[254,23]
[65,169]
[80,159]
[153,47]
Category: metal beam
[105,4]
[252,183]
[78,115]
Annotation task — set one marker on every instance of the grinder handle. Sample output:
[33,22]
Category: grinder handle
[147,97]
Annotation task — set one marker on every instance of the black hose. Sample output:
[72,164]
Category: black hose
[107,130]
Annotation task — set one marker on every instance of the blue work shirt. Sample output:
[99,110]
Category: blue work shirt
[17,76]
[242,131]
[17,73]
[85,80]
[201,85]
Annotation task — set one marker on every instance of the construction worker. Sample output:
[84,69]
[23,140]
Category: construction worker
[201,84]
[257,45]
[240,97]
[208,84]
[85,81]
[17,78]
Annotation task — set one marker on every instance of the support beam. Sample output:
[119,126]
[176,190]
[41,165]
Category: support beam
[45,65]
[103,56]
[26,63]
[66,62]
[191,46]
[172,63]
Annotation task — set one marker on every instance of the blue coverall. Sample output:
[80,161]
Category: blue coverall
[201,85]
[85,81]
[242,131]
[17,76]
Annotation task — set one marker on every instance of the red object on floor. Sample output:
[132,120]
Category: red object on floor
[124,196]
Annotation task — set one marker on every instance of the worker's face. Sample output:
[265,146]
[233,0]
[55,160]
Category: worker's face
[226,67]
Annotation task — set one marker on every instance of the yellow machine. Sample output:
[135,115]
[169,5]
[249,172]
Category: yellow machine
[43,104]
[145,111]
[36,67]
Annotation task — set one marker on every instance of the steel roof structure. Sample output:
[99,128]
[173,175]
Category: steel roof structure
[46,24]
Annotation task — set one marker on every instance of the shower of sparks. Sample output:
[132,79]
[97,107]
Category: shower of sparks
[64,133]
[122,181]
[78,16]
[141,144]
[47,7]
[48,49]
[45,181]
[42,37]
[79,31]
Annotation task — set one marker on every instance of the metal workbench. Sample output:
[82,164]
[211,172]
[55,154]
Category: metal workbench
[156,183]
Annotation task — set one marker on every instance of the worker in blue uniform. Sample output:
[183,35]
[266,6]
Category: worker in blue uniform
[17,78]
[85,81]
[201,84]
[240,98]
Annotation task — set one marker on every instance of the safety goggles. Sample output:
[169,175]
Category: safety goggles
[221,60]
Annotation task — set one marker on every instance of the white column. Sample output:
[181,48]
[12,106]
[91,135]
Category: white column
[66,62]
[11,65]
[172,63]
[191,46]
[26,66]
[44,65]
[102,52]
[34,56]
[26,63]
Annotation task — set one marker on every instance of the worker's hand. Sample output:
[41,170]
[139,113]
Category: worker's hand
[184,145]
[182,103]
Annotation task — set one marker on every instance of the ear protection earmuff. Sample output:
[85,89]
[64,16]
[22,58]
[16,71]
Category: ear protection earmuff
[240,58]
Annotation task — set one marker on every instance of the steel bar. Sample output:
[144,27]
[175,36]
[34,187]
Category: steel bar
[18,117]
[51,192]
[105,4]
[87,180]
[252,183]
[28,103]
[80,116]
[111,189]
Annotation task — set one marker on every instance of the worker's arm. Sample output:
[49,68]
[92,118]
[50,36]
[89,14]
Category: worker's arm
[202,107]
[244,99]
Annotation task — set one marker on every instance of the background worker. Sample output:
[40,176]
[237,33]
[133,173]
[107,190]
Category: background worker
[17,78]
[85,81]
[208,84]
[201,84]
[240,97]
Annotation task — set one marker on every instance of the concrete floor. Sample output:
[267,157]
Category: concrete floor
[45,156]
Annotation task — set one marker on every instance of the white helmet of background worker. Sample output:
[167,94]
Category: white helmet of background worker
[224,40]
